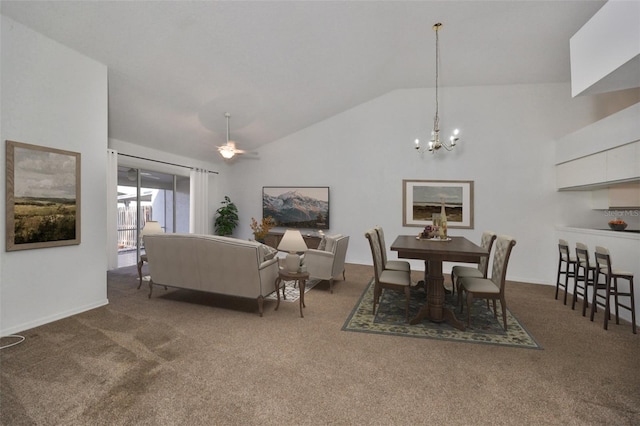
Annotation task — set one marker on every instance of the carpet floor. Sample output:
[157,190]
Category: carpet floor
[190,358]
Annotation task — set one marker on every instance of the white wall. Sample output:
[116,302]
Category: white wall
[55,97]
[363,154]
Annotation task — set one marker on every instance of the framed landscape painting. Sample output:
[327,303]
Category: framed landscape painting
[43,197]
[423,198]
[302,207]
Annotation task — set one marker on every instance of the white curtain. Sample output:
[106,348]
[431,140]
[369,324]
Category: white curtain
[112,209]
[199,202]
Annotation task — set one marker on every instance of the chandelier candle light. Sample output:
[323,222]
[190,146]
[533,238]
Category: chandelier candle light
[435,143]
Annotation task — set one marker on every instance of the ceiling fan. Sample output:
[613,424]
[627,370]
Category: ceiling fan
[229,150]
[133,176]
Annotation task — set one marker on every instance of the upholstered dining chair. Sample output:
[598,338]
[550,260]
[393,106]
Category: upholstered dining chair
[386,278]
[459,271]
[394,265]
[490,288]
[583,277]
[566,267]
[611,289]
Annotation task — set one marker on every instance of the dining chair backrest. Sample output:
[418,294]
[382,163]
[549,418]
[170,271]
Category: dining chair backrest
[504,244]
[383,247]
[374,243]
[486,242]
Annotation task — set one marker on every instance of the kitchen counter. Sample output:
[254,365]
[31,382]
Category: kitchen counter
[631,234]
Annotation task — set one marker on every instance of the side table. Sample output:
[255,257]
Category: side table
[300,277]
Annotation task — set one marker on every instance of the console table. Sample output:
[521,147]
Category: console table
[273,239]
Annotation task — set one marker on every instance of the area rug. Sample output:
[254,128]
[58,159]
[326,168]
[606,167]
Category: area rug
[293,292]
[390,320]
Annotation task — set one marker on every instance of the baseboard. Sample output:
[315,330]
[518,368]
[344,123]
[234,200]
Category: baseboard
[46,320]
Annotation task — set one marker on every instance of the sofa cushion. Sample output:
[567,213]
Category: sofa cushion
[323,243]
[331,241]
[267,252]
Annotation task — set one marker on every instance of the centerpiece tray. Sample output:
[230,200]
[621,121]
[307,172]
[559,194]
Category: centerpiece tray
[433,239]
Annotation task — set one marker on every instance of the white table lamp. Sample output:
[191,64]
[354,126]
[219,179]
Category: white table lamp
[151,227]
[293,243]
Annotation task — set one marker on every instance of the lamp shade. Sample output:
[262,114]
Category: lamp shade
[292,242]
[151,227]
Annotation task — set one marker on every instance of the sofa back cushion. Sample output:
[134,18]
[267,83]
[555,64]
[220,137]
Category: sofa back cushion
[207,263]
[328,242]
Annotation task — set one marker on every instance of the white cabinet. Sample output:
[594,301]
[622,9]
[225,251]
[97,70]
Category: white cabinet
[623,162]
[611,166]
[589,170]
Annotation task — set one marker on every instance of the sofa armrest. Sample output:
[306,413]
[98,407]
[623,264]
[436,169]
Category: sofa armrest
[319,263]
[312,253]
[268,263]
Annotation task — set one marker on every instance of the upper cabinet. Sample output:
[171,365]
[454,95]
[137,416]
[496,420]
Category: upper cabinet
[605,152]
[605,52]
[616,165]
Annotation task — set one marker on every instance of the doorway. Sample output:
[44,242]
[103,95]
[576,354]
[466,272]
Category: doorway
[147,195]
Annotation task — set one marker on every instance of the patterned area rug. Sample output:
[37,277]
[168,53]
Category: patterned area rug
[293,293]
[390,319]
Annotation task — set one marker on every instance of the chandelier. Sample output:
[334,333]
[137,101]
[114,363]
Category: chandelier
[435,143]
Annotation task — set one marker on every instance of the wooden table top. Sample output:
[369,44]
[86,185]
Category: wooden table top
[459,249]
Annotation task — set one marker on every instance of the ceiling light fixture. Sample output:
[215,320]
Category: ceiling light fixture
[435,143]
[229,150]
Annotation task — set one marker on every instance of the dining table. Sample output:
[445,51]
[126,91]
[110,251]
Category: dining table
[434,251]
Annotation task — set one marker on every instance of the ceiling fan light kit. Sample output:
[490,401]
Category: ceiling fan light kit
[435,143]
[229,150]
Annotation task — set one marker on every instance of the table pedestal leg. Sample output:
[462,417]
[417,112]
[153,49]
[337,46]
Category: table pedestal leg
[434,309]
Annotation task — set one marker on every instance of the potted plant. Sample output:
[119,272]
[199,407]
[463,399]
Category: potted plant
[261,230]
[226,217]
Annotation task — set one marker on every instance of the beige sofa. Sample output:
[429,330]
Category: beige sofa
[212,264]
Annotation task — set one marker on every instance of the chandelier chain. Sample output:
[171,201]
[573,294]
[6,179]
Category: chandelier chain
[436,119]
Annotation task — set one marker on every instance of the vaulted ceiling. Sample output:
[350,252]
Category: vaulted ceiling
[175,67]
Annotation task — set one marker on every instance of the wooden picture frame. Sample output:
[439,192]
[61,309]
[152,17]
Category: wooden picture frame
[42,197]
[422,198]
[299,207]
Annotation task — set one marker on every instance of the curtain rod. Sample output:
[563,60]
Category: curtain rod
[165,162]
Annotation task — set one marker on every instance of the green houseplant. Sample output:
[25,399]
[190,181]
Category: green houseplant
[226,217]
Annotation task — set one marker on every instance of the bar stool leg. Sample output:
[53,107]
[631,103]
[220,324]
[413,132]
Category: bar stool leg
[607,303]
[633,307]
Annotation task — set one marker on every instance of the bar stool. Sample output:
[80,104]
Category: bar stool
[587,277]
[610,285]
[569,270]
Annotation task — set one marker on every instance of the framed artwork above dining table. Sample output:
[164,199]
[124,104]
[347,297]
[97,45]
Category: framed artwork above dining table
[421,199]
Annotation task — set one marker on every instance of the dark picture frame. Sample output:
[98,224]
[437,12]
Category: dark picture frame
[42,197]
[298,207]
[422,198]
